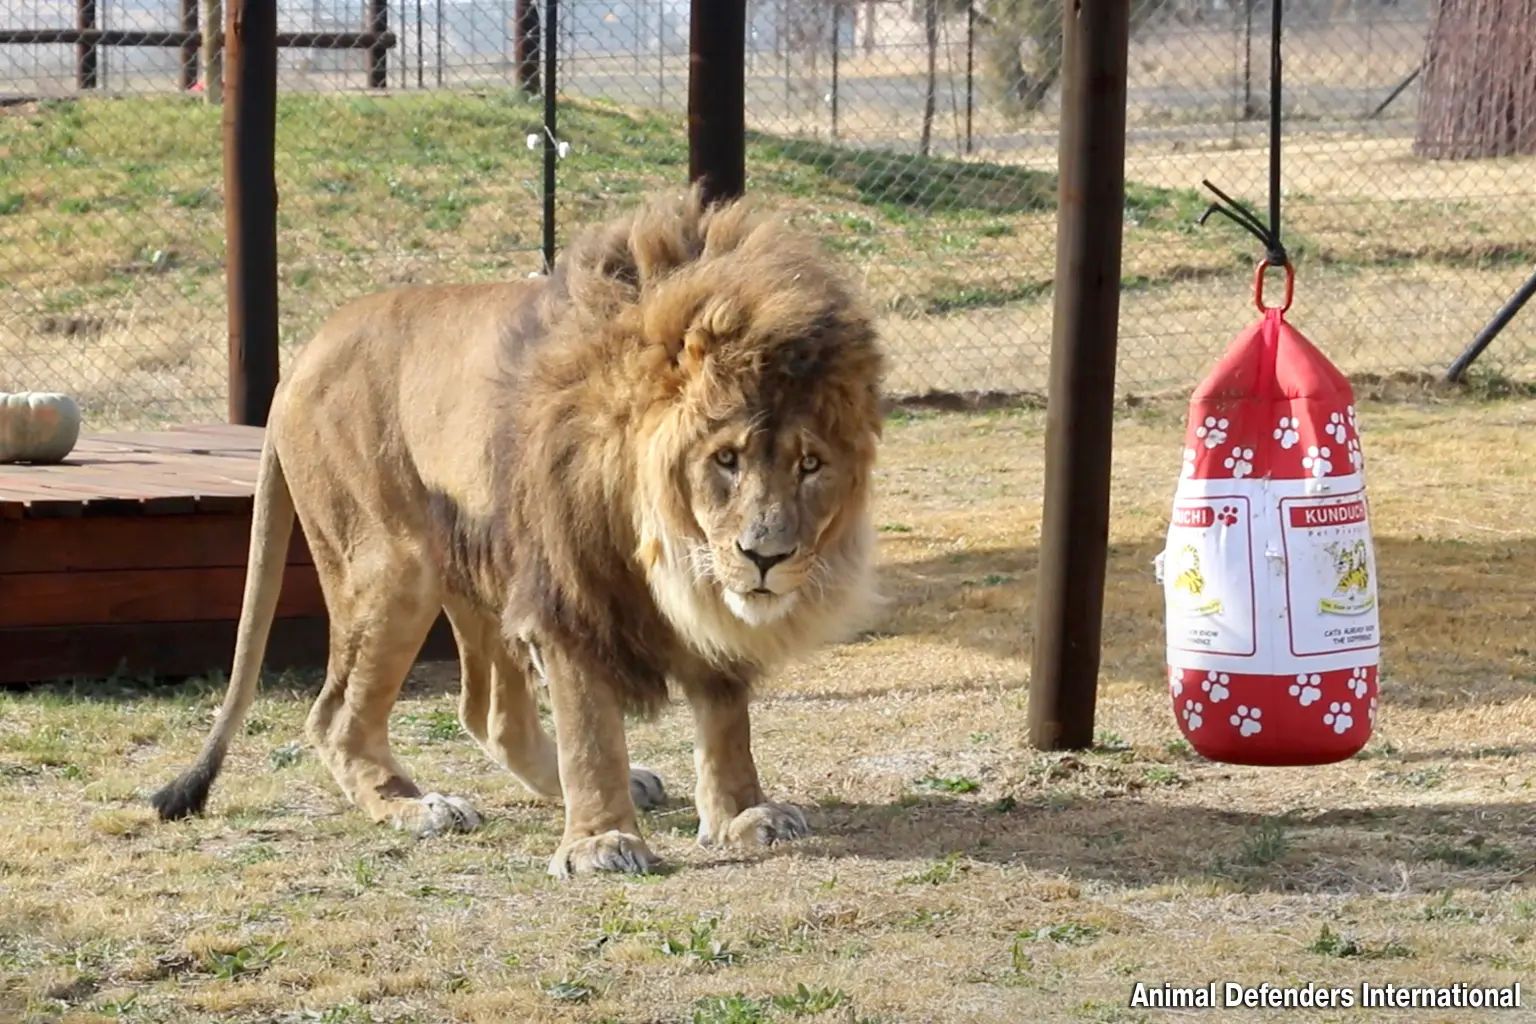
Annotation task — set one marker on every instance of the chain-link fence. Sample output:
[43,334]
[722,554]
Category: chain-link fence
[916,137]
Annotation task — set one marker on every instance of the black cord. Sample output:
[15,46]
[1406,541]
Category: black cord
[1268,236]
[1276,249]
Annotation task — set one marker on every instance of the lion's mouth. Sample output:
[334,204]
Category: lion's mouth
[760,606]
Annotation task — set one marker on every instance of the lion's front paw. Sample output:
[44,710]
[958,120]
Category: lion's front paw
[435,814]
[610,851]
[764,825]
[645,789]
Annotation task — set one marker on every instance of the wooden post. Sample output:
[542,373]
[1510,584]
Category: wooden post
[189,47]
[213,51]
[526,46]
[377,22]
[1074,531]
[717,84]
[250,206]
[85,53]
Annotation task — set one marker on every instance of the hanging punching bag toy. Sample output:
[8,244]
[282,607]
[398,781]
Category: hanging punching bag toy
[1269,572]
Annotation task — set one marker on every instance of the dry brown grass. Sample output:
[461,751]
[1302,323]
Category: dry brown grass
[1041,894]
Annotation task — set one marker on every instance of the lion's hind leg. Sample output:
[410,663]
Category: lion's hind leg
[497,707]
[496,704]
[381,606]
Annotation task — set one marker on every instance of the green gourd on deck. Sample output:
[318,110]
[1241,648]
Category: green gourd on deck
[37,426]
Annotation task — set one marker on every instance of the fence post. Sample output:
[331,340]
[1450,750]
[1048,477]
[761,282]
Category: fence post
[85,53]
[717,41]
[378,54]
[213,51]
[1074,529]
[661,53]
[250,206]
[970,71]
[190,47]
[526,46]
[551,136]
[837,24]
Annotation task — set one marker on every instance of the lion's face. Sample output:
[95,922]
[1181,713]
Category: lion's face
[764,495]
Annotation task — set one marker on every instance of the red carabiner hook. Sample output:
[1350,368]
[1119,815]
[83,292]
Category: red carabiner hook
[1258,287]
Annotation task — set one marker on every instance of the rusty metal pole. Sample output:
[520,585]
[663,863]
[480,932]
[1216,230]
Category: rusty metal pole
[250,205]
[376,23]
[717,91]
[526,46]
[1074,530]
[837,23]
[191,46]
[85,53]
[551,126]
[213,51]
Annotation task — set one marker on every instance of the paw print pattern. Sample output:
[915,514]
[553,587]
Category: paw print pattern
[1349,414]
[1316,460]
[1189,463]
[1215,686]
[1306,689]
[1370,712]
[1356,457]
[1192,719]
[1246,720]
[1357,684]
[1227,516]
[1240,462]
[1338,717]
[1335,428]
[1213,431]
[1286,432]
[1176,682]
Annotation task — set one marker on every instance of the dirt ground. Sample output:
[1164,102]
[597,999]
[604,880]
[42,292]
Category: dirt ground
[955,874]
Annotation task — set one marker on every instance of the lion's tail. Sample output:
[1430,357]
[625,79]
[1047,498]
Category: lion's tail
[271,529]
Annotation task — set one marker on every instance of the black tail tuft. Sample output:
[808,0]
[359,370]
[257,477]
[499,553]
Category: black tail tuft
[187,793]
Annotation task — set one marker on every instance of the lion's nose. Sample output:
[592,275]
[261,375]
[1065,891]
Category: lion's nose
[762,561]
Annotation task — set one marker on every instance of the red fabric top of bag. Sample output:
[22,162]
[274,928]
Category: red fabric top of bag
[1273,405]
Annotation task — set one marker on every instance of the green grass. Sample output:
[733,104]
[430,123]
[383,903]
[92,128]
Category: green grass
[1266,843]
[444,173]
[245,960]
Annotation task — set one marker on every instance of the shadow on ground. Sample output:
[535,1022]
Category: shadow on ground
[1456,616]
[1387,848]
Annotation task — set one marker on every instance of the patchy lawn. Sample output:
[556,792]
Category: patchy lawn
[955,874]
[112,237]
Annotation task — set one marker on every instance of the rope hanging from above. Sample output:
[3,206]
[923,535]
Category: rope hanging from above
[1268,235]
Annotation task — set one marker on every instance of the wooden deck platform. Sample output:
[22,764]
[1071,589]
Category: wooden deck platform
[130,556]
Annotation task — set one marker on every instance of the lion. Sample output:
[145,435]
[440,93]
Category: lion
[648,471]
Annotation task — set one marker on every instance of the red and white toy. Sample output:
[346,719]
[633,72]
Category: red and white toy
[1269,573]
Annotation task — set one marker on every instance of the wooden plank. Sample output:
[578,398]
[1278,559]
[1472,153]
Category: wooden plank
[57,492]
[132,542]
[194,468]
[144,595]
[170,650]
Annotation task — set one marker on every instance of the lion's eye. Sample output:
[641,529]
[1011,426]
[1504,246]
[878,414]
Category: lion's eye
[726,457]
[809,464]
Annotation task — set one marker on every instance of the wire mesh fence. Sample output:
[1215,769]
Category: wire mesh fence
[917,138]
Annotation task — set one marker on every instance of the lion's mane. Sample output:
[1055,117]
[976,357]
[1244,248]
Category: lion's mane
[649,330]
